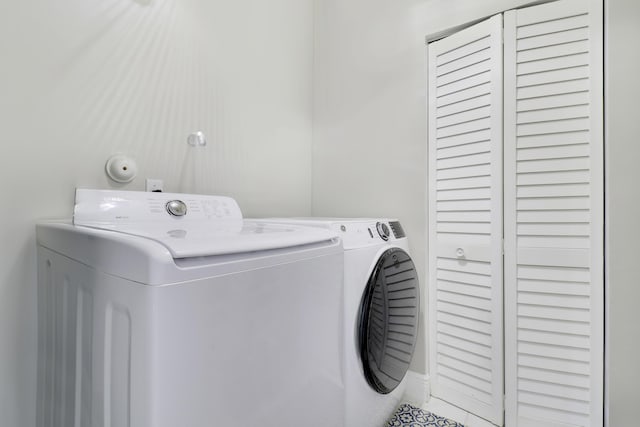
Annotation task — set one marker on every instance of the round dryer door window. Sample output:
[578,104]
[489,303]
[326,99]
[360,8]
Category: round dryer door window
[389,320]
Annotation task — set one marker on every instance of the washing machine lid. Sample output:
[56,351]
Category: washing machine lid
[188,225]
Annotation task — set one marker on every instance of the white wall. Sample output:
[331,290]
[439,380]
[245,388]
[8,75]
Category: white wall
[440,16]
[369,155]
[622,94]
[80,80]
[369,117]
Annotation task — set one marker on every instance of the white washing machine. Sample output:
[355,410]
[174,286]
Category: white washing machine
[165,310]
[382,306]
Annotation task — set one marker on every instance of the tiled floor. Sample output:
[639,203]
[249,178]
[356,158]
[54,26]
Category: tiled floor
[442,408]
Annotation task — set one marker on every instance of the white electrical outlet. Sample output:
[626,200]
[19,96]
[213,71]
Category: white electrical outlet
[153,185]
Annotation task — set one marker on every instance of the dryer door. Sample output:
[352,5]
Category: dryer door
[388,324]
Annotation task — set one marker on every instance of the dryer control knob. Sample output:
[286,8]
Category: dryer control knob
[383,230]
[176,207]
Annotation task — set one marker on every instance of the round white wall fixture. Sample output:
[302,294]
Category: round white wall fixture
[121,168]
[197,138]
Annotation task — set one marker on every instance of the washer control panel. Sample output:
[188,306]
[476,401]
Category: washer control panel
[103,207]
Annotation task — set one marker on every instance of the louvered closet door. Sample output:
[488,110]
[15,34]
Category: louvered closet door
[465,219]
[553,215]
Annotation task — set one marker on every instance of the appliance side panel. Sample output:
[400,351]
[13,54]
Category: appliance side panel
[117,367]
[84,357]
[64,341]
[44,284]
[93,347]
[122,361]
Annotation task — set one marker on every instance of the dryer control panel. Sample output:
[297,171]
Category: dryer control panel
[367,232]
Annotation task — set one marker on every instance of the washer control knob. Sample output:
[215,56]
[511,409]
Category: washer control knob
[176,208]
[383,230]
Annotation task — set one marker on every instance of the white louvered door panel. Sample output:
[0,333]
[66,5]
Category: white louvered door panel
[553,215]
[465,219]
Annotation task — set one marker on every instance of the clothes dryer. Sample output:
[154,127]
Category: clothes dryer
[382,306]
[165,310]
